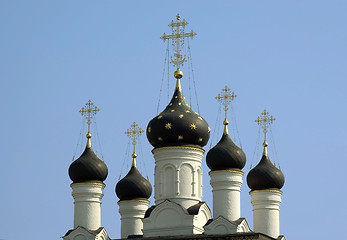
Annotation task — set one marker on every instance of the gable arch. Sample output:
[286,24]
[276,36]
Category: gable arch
[169,179]
[186,180]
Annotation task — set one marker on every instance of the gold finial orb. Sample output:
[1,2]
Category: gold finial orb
[265,144]
[178,74]
[178,16]
[89,135]
[225,122]
[134,155]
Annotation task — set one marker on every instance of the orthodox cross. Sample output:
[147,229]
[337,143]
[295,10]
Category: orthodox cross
[134,132]
[177,37]
[264,121]
[88,111]
[225,98]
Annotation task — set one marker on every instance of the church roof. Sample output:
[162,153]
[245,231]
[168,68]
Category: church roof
[88,167]
[93,232]
[225,155]
[178,124]
[265,175]
[133,186]
[236,236]
[192,210]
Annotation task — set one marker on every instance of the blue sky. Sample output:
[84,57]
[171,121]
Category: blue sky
[289,57]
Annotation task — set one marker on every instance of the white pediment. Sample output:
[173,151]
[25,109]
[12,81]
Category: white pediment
[171,219]
[80,233]
[221,225]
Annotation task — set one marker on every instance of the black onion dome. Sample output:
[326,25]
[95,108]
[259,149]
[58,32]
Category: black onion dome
[265,175]
[225,155]
[178,125]
[133,186]
[88,167]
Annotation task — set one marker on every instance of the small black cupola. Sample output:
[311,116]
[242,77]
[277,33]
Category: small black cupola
[133,185]
[225,155]
[178,124]
[88,167]
[265,175]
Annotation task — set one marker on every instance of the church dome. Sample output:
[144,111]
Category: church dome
[265,175]
[225,154]
[133,186]
[88,167]
[178,124]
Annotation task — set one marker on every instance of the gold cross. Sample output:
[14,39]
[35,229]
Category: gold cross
[88,111]
[134,132]
[225,98]
[265,120]
[177,37]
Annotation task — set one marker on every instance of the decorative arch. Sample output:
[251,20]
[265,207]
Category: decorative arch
[159,216]
[199,181]
[186,187]
[157,190]
[169,180]
[220,224]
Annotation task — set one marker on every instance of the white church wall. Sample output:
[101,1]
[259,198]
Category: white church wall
[178,175]
[87,204]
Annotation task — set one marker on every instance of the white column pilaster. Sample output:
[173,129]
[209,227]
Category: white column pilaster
[87,204]
[266,211]
[226,186]
[132,212]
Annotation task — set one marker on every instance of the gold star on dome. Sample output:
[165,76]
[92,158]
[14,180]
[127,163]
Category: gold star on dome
[172,110]
[168,126]
[208,129]
[160,117]
[180,138]
[193,127]
[170,104]
[200,118]
[160,139]
[180,116]
[200,140]
[179,103]
[187,111]
[149,129]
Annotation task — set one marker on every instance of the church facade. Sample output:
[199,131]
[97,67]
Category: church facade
[178,135]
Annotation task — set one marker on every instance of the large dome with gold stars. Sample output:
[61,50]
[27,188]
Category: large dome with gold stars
[178,124]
